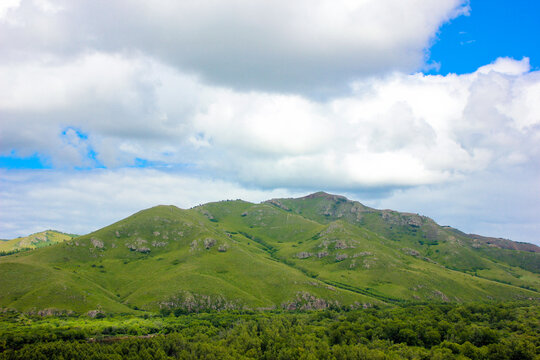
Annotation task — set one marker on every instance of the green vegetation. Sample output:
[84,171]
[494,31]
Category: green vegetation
[317,252]
[432,331]
[34,241]
[319,277]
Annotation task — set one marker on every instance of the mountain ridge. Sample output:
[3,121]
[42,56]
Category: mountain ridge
[318,251]
[35,240]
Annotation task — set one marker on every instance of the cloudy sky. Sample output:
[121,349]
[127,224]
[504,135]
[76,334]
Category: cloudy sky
[425,106]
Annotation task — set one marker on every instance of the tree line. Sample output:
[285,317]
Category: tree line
[431,331]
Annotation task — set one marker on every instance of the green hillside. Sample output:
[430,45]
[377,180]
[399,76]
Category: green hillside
[37,240]
[321,251]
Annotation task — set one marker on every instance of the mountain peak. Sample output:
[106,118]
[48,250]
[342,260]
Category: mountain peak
[325,195]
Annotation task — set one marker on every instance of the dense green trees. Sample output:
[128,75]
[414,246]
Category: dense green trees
[435,331]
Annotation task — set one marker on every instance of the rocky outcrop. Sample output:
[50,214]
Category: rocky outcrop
[303,255]
[208,215]
[479,241]
[159,243]
[139,245]
[95,314]
[194,246]
[402,219]
[209,242]
[306,301]
[186,302]
[341,257]
[279,204]
[222,248]
[363,253]
[441,295]
[411,252]
[98,244]
[341,244]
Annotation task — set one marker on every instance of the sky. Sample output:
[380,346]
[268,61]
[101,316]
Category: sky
[431,107]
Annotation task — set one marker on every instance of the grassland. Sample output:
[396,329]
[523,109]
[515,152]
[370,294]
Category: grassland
[34,241]
[318,252]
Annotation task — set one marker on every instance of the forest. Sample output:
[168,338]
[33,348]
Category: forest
[428,331]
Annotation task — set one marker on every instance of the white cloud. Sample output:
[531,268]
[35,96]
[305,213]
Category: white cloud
[312,46]
[507,66]
[501,202]
[257,93]
[81,202]
[398,130]
[86,201]
[6,6]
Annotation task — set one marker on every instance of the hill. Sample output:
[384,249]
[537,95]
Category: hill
[315,252]
[33,241]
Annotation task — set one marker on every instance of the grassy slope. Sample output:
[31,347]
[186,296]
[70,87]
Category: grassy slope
[37,240]
[110,272]
[272,249]
[374,265]
[423,235]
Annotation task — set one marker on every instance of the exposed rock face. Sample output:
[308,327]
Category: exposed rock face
[403,219]
[194,245]
[159,243]
[43,312]
[303,255]
[322,254]
[140,241]
[138,245]
[208,215]
[414,220]
[209,242]
[340,257]
[363,253]
[49,312]
[306,301]
[358,210]
[95,313]
[279,204]
[340,244]
[193,303]
[441,295]
[479,241]
[222,248]
[97,243]
[411,252]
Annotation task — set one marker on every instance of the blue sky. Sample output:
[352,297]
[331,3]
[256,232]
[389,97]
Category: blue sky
[493,29]
[427,107]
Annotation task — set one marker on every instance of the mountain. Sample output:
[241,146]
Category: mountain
[314,252]
[37,240]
